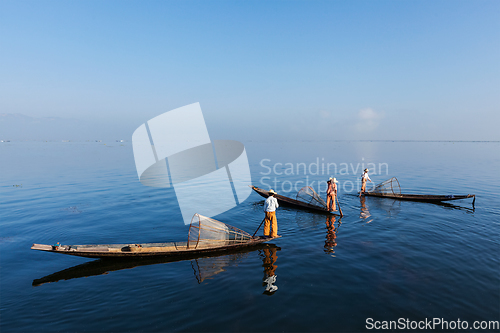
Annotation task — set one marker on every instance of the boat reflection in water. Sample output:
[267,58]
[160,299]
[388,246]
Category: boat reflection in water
[205,266]
[452,206]
[269,257]
[331,234]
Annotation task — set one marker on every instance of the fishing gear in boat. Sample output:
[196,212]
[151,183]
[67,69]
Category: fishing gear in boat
[391,189]
[308,195]
[306,198]
[205,235]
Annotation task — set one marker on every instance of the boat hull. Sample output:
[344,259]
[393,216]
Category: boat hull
[144,250]
[420,197]
[289,202]
[104,266]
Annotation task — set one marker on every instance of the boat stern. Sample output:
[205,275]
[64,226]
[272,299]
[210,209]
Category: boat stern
[42,247]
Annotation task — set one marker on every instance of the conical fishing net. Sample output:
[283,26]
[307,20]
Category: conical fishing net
[390,186]
[308,195]
[205,232]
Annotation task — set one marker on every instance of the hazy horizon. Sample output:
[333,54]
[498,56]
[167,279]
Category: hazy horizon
[19,127]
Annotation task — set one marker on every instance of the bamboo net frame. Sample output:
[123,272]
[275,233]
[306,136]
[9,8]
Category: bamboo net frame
[390,186]
[308,195]
[205,232]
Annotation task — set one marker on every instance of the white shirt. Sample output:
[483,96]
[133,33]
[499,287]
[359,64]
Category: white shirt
[365,176]
[271,204]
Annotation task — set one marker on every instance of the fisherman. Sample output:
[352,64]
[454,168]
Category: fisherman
[331,194]
[271,222]
[364,178]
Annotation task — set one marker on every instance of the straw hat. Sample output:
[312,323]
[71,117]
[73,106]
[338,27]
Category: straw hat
[366,170]
[333,180]
[271,191]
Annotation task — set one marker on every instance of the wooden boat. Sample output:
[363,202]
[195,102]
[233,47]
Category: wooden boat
[421,197]
[103,266]
[289,202]
[205,235]
[391,189]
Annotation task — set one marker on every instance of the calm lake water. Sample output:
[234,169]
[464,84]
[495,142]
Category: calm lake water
[384,259]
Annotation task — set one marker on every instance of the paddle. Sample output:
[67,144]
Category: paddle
[338,204]
[258,227]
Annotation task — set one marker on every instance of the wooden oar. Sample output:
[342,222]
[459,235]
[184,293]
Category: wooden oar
[338,204]
[258,227]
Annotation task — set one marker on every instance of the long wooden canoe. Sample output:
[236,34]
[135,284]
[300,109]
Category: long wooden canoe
[289,202]
[105,266]
[420,197]
[205,235]
[390,188]
[146,249]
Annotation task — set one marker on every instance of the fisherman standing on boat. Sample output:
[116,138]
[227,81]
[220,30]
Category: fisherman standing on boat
[331,194]
[270,206]
[364,178]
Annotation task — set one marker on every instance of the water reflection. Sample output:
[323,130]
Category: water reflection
[331,234]
[391,206]
[364,213]
[207,268]
[204,267]
[306,220]
[269,257]
[452,206]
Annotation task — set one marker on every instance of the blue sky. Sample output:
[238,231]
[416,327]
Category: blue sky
[299,70]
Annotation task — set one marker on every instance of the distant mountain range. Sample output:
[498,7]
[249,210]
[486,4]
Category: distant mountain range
[16,126]
[21,118]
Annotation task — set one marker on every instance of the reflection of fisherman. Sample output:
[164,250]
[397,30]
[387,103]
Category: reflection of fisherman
[364,178]
[331,234]
[331,193]
[269,264]
[364,214]
[270,206]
